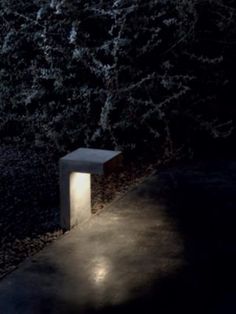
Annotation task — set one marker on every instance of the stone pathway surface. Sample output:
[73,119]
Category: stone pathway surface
[167,246]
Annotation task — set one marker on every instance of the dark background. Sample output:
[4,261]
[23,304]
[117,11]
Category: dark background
[155,79]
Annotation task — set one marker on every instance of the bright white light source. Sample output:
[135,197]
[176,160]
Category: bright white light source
[80,196]
[75,190]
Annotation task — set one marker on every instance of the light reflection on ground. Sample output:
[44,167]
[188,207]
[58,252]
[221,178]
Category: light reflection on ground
[100,270]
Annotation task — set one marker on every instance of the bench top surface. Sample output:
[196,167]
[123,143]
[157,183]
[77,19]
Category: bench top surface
[90,155]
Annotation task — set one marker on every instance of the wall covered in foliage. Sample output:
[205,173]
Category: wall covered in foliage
[124,74]
[121,74]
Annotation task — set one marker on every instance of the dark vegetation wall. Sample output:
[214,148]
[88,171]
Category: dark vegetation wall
[141,76]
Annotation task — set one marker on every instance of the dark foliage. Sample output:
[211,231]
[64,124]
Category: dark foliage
[133,75]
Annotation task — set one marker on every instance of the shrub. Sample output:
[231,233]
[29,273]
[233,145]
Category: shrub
[125,74]
[119,74]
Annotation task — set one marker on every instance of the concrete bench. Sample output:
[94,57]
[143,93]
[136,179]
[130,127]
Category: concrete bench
[75,181]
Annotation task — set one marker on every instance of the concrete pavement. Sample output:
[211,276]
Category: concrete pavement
[151,251]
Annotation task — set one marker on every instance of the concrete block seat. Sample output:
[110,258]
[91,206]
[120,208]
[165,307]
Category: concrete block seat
[75,181]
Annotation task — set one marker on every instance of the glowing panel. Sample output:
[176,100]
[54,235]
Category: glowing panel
[80,197]
[75,190]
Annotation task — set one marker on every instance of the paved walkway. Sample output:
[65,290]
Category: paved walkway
[166,246]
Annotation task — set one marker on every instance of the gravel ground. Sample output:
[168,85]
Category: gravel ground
[26,231]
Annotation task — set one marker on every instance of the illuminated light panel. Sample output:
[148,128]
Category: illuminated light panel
[75,181]
[80,196]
